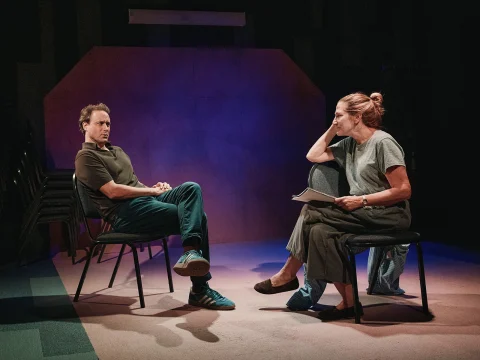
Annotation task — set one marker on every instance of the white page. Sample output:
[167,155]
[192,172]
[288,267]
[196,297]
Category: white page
[310,194]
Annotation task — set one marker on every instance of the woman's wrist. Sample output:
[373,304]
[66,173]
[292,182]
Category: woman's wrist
[364,201]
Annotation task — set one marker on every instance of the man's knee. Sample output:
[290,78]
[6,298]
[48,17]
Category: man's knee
[192,186]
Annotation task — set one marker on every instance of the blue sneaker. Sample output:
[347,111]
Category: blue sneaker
[210,299]
[191,263]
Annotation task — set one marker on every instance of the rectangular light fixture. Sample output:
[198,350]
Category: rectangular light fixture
[177,17]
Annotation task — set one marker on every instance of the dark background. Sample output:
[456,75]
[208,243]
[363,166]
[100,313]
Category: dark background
[412,51]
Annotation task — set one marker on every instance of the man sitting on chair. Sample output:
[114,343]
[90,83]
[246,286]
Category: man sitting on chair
[132,207]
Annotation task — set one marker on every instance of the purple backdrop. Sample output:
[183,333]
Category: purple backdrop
[237,121]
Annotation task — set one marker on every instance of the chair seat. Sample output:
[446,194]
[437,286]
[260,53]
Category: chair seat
[372,240]
[112,237]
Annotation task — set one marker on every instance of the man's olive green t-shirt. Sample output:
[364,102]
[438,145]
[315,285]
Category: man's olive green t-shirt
[95,167]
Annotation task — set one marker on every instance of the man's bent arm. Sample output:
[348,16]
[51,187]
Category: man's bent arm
[116,191]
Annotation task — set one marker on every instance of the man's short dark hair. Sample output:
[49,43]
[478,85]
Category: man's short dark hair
[86,112]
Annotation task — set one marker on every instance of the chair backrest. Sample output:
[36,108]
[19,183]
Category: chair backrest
[88,207]
[328,178]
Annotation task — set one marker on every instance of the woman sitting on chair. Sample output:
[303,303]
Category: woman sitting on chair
[378,201]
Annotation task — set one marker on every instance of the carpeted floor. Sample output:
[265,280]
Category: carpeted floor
[260,327]
[37,318]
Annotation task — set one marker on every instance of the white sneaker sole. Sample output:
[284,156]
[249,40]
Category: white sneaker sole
[211,307]
[198,267]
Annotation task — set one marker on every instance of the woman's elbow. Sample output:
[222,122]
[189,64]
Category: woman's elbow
[312,158]
[406,193]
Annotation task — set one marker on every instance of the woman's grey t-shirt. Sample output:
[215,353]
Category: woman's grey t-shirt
[366,164]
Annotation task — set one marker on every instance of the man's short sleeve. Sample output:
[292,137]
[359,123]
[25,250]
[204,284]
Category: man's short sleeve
[90,170]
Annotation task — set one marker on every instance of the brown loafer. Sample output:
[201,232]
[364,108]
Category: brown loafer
[265,287]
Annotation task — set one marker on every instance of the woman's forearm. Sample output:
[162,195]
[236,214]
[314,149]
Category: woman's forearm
[318,149]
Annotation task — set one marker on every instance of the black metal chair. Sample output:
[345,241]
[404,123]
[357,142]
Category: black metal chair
[330,178]
[43,207]
[89,211]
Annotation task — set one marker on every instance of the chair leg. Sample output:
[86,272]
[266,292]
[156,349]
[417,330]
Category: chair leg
[104,227]
[68,244]
[70,241]
[149,251]
[421,273]
[102,250]
[23,239]
[74,241]
[27,227]
[76,229]
[375,272]
[84,273]
[141,247]
[112,279]
[356,300]
[167,262]
[71,234]
[96,251]
[139,277]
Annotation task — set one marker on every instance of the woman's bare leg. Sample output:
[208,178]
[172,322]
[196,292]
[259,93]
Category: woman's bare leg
[341,290]
[349,295]
[346,291]
[344,310]
[288,271]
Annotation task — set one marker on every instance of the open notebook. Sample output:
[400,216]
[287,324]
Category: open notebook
[310,194]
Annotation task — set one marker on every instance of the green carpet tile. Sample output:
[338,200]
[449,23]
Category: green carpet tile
[37,318]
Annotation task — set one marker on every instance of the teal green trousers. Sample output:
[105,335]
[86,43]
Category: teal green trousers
[176,212]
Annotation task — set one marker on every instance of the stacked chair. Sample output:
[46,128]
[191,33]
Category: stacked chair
[10,210]
[3,186]
[46,197]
